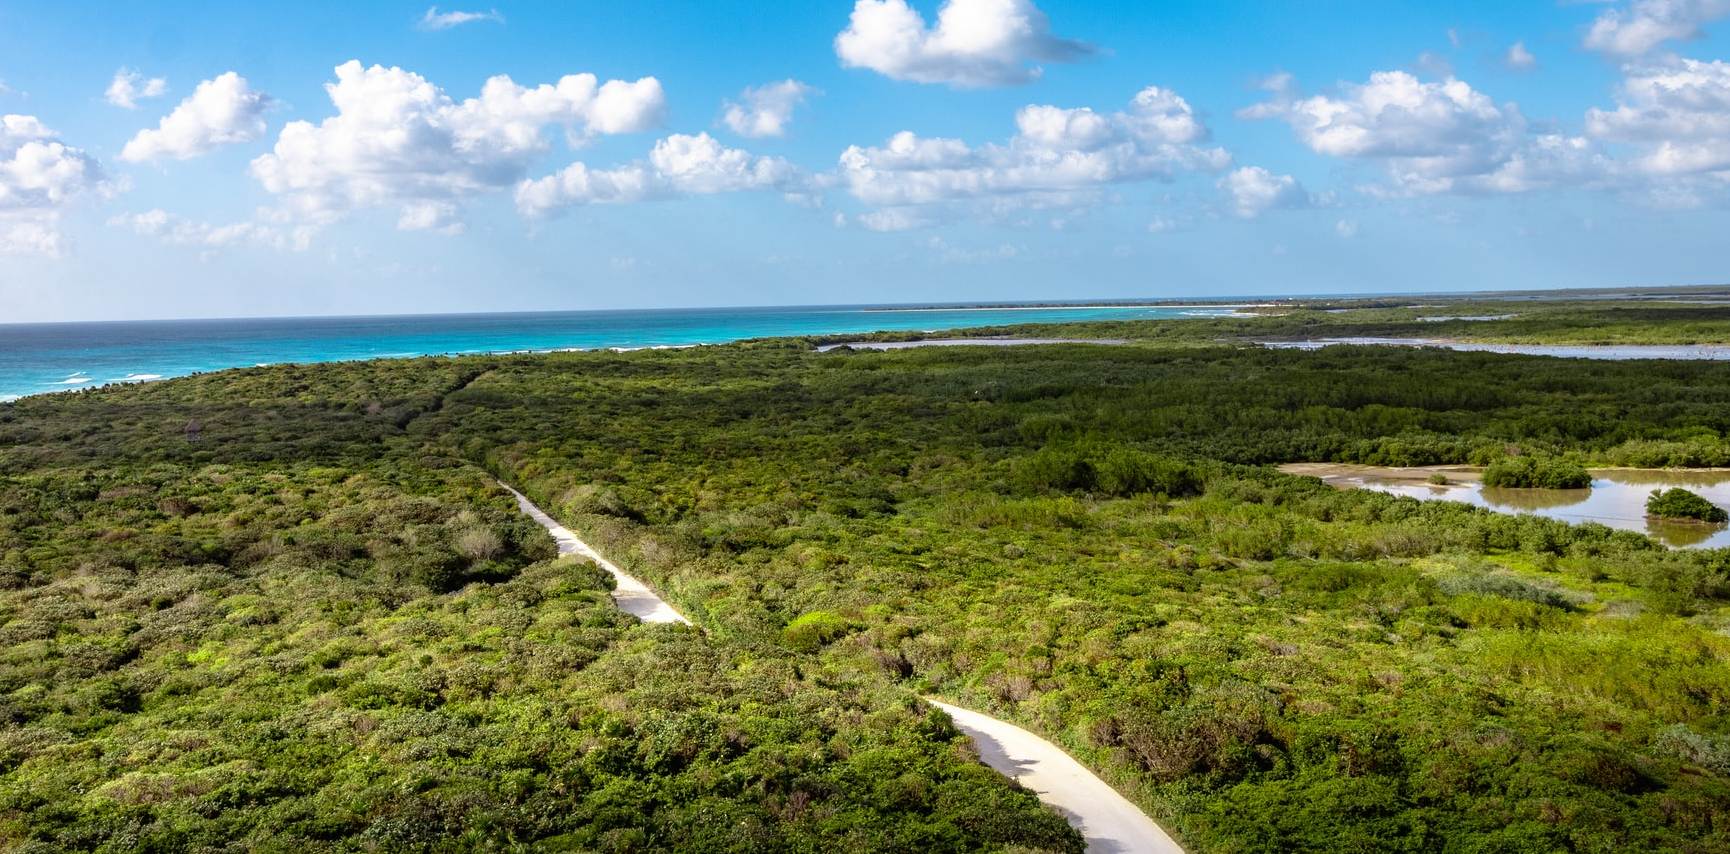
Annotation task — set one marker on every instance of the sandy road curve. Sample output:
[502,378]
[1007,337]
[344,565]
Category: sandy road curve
[1107,820]
[633,596]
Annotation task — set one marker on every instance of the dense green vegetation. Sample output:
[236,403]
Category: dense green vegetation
[292,628]
[286,606]
[1678,503]
[1066,536]
[1533,473]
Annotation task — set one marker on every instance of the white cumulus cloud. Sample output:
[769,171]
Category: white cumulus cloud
[39,177]
[975,42]
[1435,136]
[399,141]
[1675,112]
[1642,25]
[436,20]
[1255,191]
[221,111]
[129,87]
[679,165]
[764,110]
[1057,154]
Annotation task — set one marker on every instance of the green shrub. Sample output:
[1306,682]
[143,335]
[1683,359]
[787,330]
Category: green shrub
[1505,586]
[1679,503]
[1126,471]
[1058,469]
[1531,472]
[812,631]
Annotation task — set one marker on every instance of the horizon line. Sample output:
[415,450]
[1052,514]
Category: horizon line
[1095,302]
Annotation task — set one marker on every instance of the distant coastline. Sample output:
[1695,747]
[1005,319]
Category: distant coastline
[43,358]
[59,357]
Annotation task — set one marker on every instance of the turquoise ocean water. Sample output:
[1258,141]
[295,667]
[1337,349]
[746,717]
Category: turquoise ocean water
[37,358]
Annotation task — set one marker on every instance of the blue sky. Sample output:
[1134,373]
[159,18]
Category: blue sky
[1047,149]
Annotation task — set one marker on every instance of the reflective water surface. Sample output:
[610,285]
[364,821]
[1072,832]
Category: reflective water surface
[1617,497]
[1612,352]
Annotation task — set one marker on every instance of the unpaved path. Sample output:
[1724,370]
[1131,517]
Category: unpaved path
[633,596]
[1106,819]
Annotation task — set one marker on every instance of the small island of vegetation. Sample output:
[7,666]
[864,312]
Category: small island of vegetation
[1533,473]
[1681,505]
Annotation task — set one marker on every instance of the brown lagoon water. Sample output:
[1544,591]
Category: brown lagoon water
[1617,497]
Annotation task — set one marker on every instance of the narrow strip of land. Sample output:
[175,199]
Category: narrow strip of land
[633,596]
[963,342]
[1106,819]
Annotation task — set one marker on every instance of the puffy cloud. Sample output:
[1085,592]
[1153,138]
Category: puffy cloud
[1539,162]
[1056,154]
[975,43]
[679,165]
[29,237]
[700,165]
[1255,191]
[1435,136]
[1645,24]
[765,110]
[39,176]
[442,217]
[1518,58]
[398,140]
[221,111]
[436,20]
[37,170]
[1676,112]
[1346,228]
[1395,115]
[180,231]
[129,87]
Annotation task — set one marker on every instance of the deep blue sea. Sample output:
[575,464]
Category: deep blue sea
[44,357]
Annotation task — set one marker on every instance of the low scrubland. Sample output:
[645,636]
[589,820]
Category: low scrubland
[288,607]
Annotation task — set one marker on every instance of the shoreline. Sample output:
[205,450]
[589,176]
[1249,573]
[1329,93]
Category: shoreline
[884,346]
[1087,307]
[48,359]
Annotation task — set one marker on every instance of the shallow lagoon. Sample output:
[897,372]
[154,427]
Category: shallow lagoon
[1617,497]
[1614,352]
